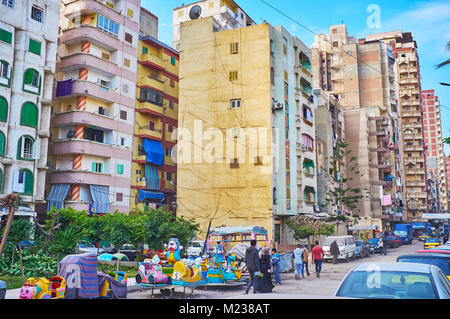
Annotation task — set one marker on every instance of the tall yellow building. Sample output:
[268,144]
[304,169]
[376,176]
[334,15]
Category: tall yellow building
[153,174]
[246,133]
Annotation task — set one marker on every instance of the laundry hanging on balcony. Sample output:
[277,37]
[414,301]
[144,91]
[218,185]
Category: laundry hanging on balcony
[57,195]
[64,88]
[155,151]
[386,200]
[151,177]
[100,196]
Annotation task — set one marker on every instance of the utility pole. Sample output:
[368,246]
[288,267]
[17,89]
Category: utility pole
[10,201]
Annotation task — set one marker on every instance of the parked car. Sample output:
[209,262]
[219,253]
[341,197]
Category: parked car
[373,245]
[129,251]
[431,243]
[395,281]
[398,239]
[346,245]
[84,247]
[195,248]
[107,247]
[362,249]
[423,236]
[440,260]
[392,242]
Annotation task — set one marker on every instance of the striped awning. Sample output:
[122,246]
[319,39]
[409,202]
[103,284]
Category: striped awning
[57,195]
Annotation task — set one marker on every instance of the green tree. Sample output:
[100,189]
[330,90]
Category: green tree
[446,62]
[21,229]
[64,242]
[306,227]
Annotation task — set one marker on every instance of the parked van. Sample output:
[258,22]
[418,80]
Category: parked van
[347,247]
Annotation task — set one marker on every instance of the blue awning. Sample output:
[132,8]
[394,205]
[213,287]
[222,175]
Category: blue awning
[155,151]
[100,196]
[143,194]
[57,195]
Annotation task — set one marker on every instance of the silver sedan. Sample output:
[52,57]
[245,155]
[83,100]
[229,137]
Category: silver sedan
[395,281]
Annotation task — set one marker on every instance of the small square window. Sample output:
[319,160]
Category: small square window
[235,103]
[122,141]
[144,50]
[233,75]
[128,37]
[234,163]
[172,60]
[126,62]
[172,83]
[168,152]
[37,14]
[119,197]
[169,176]
[234,47]
[130,13]
[170,127]
[120,168]
[171,105]
[123,115]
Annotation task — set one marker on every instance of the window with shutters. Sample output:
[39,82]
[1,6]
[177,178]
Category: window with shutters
[234,47]
[5,73]
[2,144]
[233,75]
[34,47]
[3,109]
[5,36]
[128,37]
[37,14]
[173,60]
[25,148]
[151,125]
[130,13]
[126,62]
[120,168]
[32,81]
[23,182]
[168,151]
[29,115]
[97,167]
[144,50]
[235,103]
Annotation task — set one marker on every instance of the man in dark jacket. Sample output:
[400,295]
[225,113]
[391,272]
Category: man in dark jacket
[253,266]
[334,250]
[385,244]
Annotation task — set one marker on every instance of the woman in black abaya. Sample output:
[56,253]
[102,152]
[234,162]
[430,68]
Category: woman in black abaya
[265,283]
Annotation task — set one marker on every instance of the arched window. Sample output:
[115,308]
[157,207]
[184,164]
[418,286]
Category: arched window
[3,109]
[308,167]
[307,114]
[32,81]
[25,148]
[309,194]
[23,182]
[2,144]
[29,114]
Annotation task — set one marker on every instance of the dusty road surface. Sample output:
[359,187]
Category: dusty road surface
[310,287]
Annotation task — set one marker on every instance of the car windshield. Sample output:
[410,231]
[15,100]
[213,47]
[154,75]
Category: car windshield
[442,263]
[373,240]
[387,285]
[400,232]
[329,240]
[432,240]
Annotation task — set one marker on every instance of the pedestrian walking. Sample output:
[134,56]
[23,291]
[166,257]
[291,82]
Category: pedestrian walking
[253,265]
[385,244]
[265,282]
[305,260]
[298,261]
[334,250]
[276,259]
[317,257]
[380,246]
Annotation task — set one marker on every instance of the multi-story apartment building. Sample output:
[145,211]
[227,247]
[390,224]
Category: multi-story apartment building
[447,172]
[94,105]
[246,142]
[153,174]
[362,75]
[407,80]
[227,15]
[432,133]
[330,130]
[28,42]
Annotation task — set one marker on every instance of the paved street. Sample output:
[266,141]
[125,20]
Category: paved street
[311,287]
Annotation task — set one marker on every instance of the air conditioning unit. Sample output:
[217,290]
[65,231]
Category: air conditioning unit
[277,106]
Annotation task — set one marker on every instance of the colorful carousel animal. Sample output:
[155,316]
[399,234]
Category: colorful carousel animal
[43,288]
[187,273]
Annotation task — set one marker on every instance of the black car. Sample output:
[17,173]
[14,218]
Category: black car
[373,245]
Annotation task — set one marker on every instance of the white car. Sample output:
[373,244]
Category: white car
[395,281]
[195,248]
[84,247]
[347,247]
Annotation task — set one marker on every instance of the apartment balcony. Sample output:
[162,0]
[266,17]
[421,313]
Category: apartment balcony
[412,125]
[228,14]
[76,117]
[93,90]
[146,132]
[415,183]
[379,165]
[413,148]
[412,136]
[416,195]
[298,68]
[148,108]
[74,8]
[379,133]
[86,32]
[411,114]
[336,63]
[82,60]
[81,177]
[88,147]
[415,171]
[377,149]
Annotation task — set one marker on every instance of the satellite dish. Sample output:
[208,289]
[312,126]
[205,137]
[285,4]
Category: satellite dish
[195,12]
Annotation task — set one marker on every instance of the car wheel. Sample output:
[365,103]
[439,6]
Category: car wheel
[138,278]
[347,258]
[151,279]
